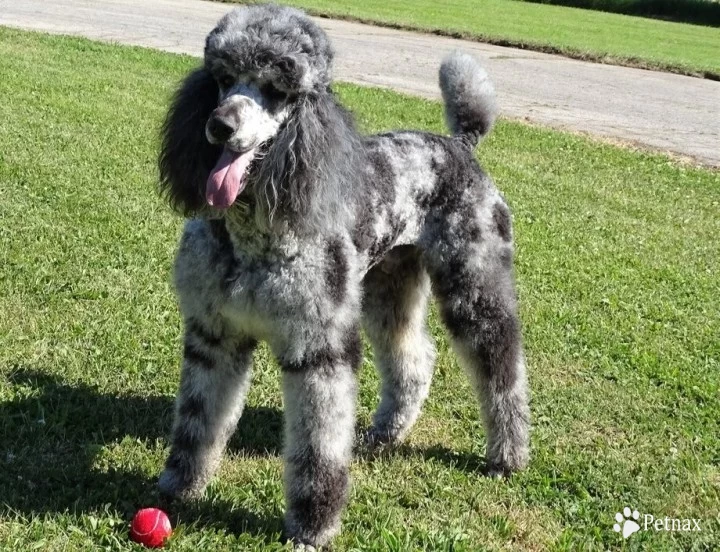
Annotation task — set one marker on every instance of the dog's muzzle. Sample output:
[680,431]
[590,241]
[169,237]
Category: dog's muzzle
[220,129]
[223,123]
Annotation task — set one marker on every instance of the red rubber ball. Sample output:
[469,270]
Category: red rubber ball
[150,527]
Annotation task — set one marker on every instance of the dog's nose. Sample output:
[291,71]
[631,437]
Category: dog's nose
[221,128]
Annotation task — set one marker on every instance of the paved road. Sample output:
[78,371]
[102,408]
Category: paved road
[657,110]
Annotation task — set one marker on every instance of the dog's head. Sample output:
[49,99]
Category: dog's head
[264,86]
[262,59]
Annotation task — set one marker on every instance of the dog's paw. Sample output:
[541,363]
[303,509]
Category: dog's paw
[307,539]
[503,469]
[304,548]
[496,472]
[172,486]
[506,457]
[377,438]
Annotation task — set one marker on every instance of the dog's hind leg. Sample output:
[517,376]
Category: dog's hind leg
[473,280]
[214,381]
[394,317]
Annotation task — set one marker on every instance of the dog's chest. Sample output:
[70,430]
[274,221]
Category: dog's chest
[276,286]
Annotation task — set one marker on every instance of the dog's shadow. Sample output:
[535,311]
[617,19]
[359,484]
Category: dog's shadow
[54,441]
[463,461]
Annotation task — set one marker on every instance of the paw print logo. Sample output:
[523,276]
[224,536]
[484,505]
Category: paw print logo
[629,523]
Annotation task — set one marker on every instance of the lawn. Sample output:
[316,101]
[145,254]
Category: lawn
[617,263]
[583,34]
[699,12]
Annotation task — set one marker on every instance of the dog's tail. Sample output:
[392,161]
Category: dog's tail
[469,96]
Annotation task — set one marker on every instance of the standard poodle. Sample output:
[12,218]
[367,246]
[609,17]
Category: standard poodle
[300,231]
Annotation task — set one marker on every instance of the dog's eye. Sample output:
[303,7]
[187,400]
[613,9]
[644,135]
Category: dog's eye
[226,81]
[272,93]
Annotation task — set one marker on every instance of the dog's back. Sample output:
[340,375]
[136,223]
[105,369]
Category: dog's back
[415,179]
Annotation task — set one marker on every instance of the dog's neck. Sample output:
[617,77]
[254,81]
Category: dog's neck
[243,229]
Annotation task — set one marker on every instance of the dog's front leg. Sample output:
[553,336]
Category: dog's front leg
[319,392]
[214,381]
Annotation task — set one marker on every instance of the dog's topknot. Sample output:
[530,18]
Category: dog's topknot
[282,43]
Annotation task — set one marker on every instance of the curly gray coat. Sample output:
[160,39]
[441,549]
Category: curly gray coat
[301,230]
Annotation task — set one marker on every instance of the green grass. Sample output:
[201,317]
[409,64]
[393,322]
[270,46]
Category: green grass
[698,12]
[617,260]
[583,34]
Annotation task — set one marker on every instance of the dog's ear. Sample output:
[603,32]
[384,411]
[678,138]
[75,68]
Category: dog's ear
[186,157]
[307,174]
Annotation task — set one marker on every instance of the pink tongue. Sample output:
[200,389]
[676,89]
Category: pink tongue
[227,179]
